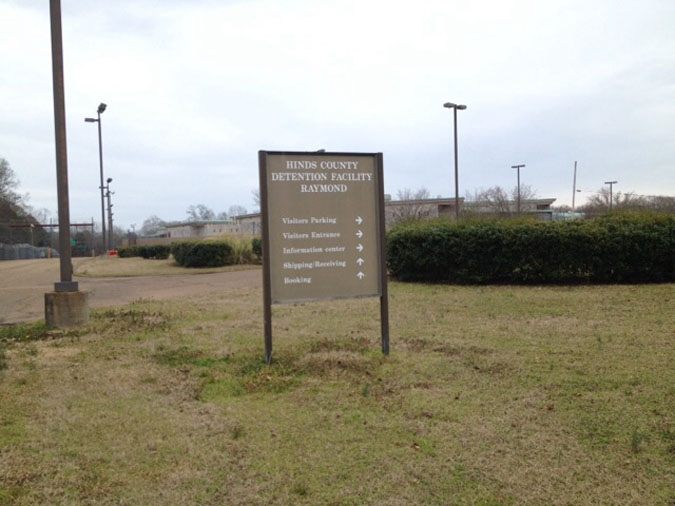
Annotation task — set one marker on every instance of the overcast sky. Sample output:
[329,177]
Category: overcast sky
[195,88]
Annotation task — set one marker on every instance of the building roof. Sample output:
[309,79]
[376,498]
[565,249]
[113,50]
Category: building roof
[541,202]
[438,201]
[200,223]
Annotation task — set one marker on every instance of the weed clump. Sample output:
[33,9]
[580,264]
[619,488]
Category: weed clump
[126,320]
[23,333]
[3,358]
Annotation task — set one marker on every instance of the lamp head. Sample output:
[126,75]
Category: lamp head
[109,180]
[90,120]
[101,108]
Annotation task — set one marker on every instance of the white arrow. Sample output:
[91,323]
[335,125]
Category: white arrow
[360,247]
[360,261]
[360,275]
[359,234]
[358,220]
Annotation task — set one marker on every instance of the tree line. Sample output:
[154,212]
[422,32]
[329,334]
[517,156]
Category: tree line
[17,217]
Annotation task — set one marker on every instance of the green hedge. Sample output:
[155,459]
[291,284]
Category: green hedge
[158,251]
[614,249]
[128,252]
[202,253]
[256,245]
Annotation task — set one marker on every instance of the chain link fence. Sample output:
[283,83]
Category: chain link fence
[22,240]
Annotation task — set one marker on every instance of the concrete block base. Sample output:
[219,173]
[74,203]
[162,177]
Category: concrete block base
[66,309]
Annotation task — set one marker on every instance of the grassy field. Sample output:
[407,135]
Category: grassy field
[491,396]
[104,267]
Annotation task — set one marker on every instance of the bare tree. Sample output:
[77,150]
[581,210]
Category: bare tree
[408,194]
[236,210]
[526,193]
[410,205]
[493,200]
[598,203]
[41,215]
[497,200]
[152,226]
[256,198]
[200,213]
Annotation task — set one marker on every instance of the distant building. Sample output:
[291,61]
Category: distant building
[426,209]
[537,207]
[202,229]
[249,224]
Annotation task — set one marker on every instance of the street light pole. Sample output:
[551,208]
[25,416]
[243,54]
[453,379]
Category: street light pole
[518,167]
[99,111]
[574,185]
[611,184]
[108,193]
[66,306]
[454,108]
[66,267]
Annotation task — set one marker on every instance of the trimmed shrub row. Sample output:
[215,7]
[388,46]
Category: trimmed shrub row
[158,251]
[202,253]
[256,246]
[613,249]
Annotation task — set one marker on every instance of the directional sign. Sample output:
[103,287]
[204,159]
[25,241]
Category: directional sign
[322,218]
[323,230]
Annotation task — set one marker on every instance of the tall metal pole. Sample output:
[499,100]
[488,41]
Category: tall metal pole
[611,184]
[108,194]
[100,159]
[518,167]
[456,169]
[99,111]
[66,284]
[454,107]
[574,185]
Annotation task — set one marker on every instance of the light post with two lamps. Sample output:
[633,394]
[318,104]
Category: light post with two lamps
[99,111]
[454,108]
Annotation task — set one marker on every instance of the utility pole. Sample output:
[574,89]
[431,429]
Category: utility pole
[518,167]
[574,185]
[66,306]
[108,193]
[454,107]
[66,284]
[611,184]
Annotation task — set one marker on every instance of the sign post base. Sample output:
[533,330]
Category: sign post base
[66,309]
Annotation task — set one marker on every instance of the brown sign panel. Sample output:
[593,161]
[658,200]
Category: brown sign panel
[322,225]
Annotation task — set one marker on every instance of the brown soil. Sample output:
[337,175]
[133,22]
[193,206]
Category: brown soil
[23,284]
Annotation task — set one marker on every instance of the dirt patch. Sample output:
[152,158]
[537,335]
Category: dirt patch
[24,283]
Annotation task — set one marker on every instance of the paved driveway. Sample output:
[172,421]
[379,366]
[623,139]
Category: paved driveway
[23,284]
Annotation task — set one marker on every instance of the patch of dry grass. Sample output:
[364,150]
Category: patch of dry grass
[107,267]
[493,395]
